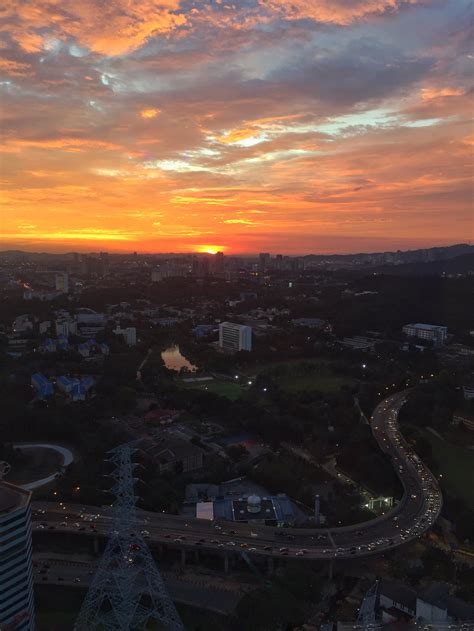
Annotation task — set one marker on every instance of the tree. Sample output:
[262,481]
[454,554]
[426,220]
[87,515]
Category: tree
[268,610]
[237,452]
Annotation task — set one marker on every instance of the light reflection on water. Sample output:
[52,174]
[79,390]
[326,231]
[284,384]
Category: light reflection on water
[175,360]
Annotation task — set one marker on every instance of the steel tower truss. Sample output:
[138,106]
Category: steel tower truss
[367,612]
[127,591]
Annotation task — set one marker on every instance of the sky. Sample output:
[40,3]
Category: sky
[289,126]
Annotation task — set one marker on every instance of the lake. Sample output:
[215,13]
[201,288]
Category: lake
[175,360]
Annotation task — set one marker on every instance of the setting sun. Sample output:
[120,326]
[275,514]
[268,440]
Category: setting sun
[210,249]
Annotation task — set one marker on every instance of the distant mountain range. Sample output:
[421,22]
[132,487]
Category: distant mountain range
[457,265]
[398,259]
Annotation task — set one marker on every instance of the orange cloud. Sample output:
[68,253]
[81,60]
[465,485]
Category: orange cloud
[15,68]
[427,94]
[332,11]
[245,222]
[78,235]
[65,144]
[236,135]
[150,113]
[108,28]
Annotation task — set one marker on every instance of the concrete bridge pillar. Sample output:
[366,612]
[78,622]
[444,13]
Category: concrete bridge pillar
[183,557]
[330,569]
[95,543]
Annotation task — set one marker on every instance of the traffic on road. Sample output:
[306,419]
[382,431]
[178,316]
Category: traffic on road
[416,512]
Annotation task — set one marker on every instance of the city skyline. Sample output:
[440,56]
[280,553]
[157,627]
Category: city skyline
[266,126]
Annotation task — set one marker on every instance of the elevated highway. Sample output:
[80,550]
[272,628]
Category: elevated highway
[416,512]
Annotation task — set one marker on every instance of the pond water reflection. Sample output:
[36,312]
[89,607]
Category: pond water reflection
[175,360]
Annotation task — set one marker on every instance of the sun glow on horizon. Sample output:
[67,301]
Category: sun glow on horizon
[211,249]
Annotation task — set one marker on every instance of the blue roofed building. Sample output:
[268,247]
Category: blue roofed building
[63,343]
[83,349]
[42,385]
[65,384]
[87,383]
[78,392]
[104,348]
[50,345]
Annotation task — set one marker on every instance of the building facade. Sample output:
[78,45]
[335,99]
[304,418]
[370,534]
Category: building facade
[62,282]
[16,573]
[235,337]
[428,332]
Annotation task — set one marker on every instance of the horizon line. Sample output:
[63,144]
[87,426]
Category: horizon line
[236,254]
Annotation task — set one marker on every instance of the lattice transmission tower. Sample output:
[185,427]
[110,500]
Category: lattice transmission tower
[127,592]
[367,611]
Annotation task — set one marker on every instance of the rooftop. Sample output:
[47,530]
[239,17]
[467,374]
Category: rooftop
[12,498]
[168,448]
[431,327]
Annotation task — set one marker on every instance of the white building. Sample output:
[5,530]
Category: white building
[16,574]
[235,337]
[429,332]
[89,316]
[66,326]
[62,282]
[129,334]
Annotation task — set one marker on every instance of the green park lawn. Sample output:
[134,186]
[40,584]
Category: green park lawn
[223,388]
[456,464]
[299,376]
[321,382]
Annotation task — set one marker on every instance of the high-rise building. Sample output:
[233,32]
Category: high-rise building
[219,262]
[62,282]
[235,337]
[263,261]
[16,573]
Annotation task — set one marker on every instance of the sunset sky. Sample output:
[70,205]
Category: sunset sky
[290,126]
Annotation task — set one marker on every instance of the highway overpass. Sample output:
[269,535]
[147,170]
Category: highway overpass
[416,512]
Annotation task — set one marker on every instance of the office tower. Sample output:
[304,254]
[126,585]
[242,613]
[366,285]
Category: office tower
[62,282]
[219,262]
[16,574]
[263,261]
[235,337]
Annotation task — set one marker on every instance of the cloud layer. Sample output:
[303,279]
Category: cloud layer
[311,125]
